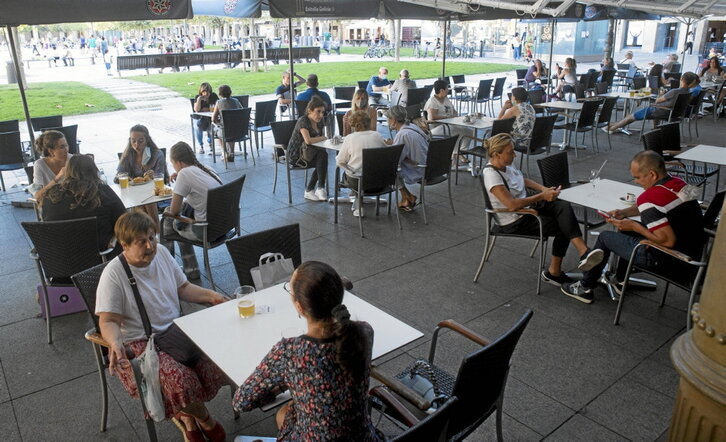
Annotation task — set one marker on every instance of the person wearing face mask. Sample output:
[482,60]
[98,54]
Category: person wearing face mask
[402,85]
[360,103]
[378,84]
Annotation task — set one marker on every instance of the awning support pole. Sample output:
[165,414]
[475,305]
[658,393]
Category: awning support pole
[21,85]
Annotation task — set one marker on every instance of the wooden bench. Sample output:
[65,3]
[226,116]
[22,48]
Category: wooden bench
[71,60]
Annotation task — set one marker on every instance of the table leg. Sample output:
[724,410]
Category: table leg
[194,139]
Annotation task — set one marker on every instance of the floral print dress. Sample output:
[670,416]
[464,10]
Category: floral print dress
[326,404]
[523,124]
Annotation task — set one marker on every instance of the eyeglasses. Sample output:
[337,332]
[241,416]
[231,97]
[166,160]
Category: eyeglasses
[287,288]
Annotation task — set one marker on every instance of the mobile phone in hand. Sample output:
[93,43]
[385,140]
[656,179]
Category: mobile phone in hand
[604,214]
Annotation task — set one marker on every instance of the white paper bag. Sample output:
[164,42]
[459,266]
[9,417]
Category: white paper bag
[150,387]
[273,269]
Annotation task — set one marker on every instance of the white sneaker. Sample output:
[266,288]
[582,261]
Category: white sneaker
[607,131]
[357,213]
[311,195]
[321,194]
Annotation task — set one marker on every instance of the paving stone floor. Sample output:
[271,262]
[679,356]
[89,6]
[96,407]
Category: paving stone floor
[574,376]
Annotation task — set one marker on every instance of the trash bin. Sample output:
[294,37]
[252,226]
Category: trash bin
[10,69]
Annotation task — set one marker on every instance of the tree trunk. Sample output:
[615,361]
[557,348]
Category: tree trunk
[397,38]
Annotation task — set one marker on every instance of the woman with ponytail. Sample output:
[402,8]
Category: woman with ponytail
[193,180]
[326,369]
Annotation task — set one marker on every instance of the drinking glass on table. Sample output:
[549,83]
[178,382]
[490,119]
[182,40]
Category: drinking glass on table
[594,177]
[245,296]
[123,180]
[159,180]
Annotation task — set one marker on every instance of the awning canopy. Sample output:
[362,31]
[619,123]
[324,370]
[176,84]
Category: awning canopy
[229,8]
[44,12]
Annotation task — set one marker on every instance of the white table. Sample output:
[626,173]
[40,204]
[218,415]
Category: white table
[138,195]
[478,124]
[238,345]
[706,154]
[569,108]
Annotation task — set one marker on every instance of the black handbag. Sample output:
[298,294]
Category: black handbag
[172,341]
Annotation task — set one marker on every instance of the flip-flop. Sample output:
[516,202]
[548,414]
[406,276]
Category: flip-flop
[405,208]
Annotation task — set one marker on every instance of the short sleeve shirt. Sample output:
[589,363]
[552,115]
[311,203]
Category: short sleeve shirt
[294,147]
[445,109]
[514,183]
[655,202]
[158,285]
[193,183]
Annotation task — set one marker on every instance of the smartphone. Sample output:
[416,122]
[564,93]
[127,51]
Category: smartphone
[604,214]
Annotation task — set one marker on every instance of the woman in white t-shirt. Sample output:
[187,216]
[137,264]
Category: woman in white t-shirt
[50,168]
[350,157]
[189,200]
[439,107]
[507,189]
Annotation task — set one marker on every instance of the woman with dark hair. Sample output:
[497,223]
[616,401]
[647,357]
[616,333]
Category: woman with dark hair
[141,157]
[82,194]
[193,181]
[714,71]
[567,77]
[50,168]
[523,114]
[326,369]
[310,129]
[657,71]
[535,72]
[203,102]
[359,103]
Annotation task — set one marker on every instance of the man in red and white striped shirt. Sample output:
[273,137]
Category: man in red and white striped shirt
[653,206]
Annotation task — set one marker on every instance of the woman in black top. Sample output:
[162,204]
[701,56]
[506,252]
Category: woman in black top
[203,103]
[82,194]
[310,129]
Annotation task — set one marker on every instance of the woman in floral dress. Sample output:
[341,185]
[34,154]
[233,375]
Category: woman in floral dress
[326,369]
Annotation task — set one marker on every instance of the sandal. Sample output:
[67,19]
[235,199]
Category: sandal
[217,433]
[189,436]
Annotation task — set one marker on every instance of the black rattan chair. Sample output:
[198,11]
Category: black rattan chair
[235,129]
[418,96]
[71,135]
[538,142]
[11,154]
[492,232]
[432,428]
[282,132]
[40,123]
[482,96]
[244,100]
[585,122]
[10,126]
[605,115]
[478,385]
[264,115]
[437,168]
[478,151]
[223,213]
[497,93]
[246,250]
[62,249]
[555,171]
[380,171]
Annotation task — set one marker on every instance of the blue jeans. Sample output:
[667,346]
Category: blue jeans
[199,134]
[622,244]
[643,113]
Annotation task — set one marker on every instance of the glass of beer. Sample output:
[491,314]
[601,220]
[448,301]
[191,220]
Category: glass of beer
[245,296]
[123,180]
[159,180]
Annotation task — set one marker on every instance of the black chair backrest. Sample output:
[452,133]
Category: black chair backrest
[585,79]
[438,157]
[714,210]
[11,150]
[498,87]
[602,87]
[687,222]
[485,89]
[244,100]
[87,284]
[606,111]
[458,79]
[413,111]
[502,126]
[579,90]
[653,82]
[236,123]
[344,92]
[639,82]
[676,67]
[623,66]
[555,170]
[542,132]
[607,77]
[481,379]
[380,167]
[432,428]
[536,96]
[679,107]
[653,140]
[363,84]
[71,135]
[300,107]
[429,89]
[695,104]
[588,113]
[246,250]
[672,76]
[223,208]
[339,120]
[670,136]
[521,73]
[9,126]
[282,131]
[418,96]
[65,247]
[192,101]
[40,123]
[265,112]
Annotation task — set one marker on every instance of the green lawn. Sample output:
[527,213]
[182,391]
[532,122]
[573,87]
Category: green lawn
[62,98]
[330,74]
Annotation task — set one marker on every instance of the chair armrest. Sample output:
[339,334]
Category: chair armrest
[524,211]
[579,182]
[672,152]
[400,412]
[464,331]
[401,389]
[96,338]
[674,253]
[183,219]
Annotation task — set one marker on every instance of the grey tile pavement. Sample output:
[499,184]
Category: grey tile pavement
[575,376]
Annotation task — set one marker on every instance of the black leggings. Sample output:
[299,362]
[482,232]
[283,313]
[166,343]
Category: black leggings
[318,159]
[558,220]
